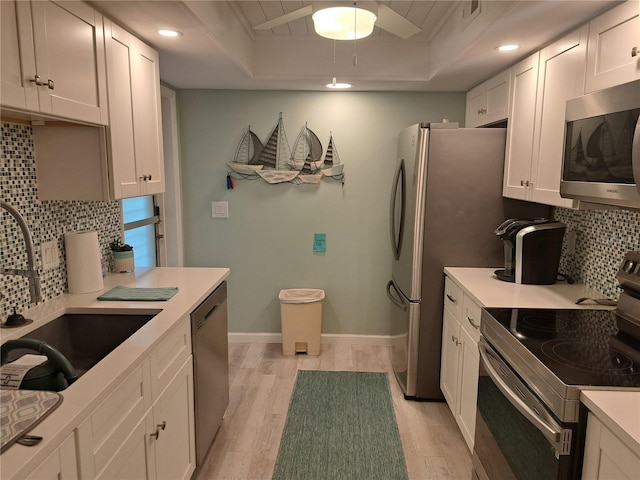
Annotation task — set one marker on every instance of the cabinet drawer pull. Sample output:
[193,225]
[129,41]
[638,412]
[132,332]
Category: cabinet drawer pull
[451,299]
[160,426]
[634,52]
[473,323]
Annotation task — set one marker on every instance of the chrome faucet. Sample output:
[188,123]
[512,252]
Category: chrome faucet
[31,273]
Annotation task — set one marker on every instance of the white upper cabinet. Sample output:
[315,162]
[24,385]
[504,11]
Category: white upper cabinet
[55,60]
[560,77]
[135,133]
[16,89]
[488,102]
[541,86]
[125,159]
[614,47]
[519,149]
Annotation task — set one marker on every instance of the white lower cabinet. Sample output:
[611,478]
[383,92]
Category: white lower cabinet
[460,358]
[139,432]
[173,421]
[606,457]
[60,465]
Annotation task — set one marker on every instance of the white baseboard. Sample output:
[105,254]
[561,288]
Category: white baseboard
[326,338]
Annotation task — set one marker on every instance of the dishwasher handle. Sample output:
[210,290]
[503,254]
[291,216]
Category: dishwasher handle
[210,305]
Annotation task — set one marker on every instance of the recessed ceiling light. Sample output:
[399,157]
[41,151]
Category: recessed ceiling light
[169,33]
[507,48]
[338,85]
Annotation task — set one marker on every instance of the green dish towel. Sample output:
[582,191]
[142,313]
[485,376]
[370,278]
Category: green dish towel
[139,294]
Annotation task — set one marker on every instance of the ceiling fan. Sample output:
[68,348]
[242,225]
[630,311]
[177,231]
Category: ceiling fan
[387,19]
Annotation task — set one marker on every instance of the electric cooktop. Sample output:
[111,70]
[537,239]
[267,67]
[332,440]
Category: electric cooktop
[585,347]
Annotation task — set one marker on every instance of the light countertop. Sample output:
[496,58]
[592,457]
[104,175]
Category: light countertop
[482,285]
[81,398]
[618,410]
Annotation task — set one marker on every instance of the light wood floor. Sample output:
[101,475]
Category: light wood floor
[261,381]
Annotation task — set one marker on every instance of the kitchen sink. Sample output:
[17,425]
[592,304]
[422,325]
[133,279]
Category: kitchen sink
[86,338]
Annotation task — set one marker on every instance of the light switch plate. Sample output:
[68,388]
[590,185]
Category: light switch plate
[49,254]
[219,209]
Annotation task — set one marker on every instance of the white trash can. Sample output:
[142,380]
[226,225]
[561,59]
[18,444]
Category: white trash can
[301,315]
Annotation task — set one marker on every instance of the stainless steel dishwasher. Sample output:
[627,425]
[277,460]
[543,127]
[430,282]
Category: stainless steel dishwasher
[210,367]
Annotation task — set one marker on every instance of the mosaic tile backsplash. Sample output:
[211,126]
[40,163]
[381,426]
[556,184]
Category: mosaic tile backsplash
[603,237]
[47,220]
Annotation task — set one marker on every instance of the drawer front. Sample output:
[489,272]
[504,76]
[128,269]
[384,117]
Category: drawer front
[167,359]
[470,319]
[453,297]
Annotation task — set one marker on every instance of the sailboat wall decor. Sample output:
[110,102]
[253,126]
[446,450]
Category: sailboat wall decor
[274,156]
[306,156]
[331,166]
[275,162]
[247,153]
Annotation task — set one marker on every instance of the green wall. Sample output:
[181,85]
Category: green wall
[267,241]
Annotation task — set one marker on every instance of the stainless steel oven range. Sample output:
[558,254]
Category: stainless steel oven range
[533,365]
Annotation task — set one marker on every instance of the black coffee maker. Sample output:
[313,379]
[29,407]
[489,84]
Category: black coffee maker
[532,250]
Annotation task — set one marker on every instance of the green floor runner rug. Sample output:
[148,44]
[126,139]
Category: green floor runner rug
[340,425]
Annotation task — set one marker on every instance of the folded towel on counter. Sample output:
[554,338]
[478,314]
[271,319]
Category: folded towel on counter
[139,294]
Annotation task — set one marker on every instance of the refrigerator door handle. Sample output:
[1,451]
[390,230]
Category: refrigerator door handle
[396,296]
[399,182]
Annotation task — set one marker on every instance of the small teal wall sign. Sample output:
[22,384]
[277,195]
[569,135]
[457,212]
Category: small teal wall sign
[319,242]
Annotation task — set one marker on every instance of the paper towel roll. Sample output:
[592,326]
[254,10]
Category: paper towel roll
[84,270]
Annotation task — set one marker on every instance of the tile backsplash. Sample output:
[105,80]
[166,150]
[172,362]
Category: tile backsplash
[47,221]
[603,237]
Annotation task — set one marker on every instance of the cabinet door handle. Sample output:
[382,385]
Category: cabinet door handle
[37,79]
[160,426]
[455,340]
[473,323]
[451,299]
[634,52]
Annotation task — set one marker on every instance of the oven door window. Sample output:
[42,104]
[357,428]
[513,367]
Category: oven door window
[507,444]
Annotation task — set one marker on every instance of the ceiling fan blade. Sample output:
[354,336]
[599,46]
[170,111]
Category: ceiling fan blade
[286,18]
[395,23]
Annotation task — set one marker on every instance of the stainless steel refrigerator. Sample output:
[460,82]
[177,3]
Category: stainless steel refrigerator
[446,202]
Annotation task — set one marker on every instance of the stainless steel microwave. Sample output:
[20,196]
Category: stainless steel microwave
[601,161]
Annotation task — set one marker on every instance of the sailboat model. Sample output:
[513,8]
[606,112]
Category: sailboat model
[274,156]
[332,166]
[247,153]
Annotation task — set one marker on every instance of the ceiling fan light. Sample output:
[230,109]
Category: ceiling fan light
[344,23]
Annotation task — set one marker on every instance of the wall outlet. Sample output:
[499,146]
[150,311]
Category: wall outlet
[219,209]
[49,254]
